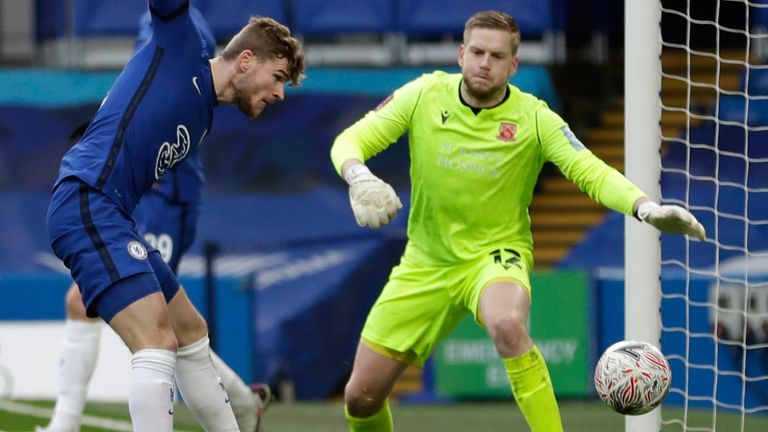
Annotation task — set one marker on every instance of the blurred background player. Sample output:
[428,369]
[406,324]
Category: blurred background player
[155,115]
[167,216]
[477,145]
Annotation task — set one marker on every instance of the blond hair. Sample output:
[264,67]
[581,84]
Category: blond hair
[268,39]
[494,20]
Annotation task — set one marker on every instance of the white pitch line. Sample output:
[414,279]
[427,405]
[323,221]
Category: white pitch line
[47,413]
[88,420]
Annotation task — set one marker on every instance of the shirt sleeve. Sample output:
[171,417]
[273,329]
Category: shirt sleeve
[378,128]
[167,9]
[601,182]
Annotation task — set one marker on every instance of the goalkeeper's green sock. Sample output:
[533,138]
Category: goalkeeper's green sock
[379,422]
[532,387]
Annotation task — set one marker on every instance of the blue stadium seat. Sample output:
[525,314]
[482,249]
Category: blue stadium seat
[320,17]
[758,80]
[48,22]
[439,17]
[226,18]
[121,17]
[732,108]
[726,180]
[719,168]
[758,13]
[389,21]
[88,18]
[329,17]
[108,18]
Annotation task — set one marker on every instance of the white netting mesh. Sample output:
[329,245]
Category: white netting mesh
[715,162]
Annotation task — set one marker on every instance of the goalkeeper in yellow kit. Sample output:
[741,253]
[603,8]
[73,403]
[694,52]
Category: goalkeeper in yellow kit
[477,145]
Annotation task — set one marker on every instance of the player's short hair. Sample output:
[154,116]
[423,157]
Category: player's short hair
[494,20]
[268,39]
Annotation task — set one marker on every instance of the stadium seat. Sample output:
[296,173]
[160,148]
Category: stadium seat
[732,108]
[718,167]
[121,17]
[758,81]
[87,18]
[228,17]
[331,17]
[337,32]
[347,32]
[108,18]
[542,26]
[758,13]
[48,22]
[758,17]
[418,17]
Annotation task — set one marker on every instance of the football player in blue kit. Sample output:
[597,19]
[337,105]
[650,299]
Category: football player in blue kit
[167,216]
[156,113]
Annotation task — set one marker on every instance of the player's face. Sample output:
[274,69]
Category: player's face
[260,84]
[487,62]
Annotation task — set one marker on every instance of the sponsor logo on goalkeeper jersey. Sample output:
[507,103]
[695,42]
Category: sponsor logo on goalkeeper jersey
[507,132]
[465,159]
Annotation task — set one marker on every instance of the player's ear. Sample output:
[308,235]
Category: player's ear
[461,55]
[244,60]
[513,67]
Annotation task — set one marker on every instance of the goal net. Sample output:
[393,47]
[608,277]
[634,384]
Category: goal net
[711,115]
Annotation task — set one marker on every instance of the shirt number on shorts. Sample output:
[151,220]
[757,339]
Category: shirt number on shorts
[506,258]
[163,243]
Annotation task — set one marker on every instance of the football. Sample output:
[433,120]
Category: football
[632,377]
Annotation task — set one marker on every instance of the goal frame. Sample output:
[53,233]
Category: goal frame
[642,162]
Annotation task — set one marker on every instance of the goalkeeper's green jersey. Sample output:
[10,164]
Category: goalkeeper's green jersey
[473,175]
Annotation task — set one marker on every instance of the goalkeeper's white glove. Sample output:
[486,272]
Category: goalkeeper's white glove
[373,201]
[671,219]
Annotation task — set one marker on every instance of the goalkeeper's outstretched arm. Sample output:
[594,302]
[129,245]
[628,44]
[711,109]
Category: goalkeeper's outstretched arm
[671,219]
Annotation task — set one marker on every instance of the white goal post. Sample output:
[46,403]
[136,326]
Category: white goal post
[696,135]
[642,140]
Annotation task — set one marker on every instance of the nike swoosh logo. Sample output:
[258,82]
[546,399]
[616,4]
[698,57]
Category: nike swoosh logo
[444,116]
[194,82]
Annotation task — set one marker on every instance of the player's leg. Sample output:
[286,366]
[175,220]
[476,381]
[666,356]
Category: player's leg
[98,242]
[80,350]
[144,327]
[413,311]
[169,227]
[199,382]
[247,405]
[503,309]
[263,399]
[365,396]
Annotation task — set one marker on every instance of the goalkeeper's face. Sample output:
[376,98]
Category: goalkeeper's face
[487,62]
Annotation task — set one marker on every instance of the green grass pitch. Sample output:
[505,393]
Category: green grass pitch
[578,416]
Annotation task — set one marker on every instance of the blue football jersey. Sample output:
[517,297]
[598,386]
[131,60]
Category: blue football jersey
[184,183]
[155,115]
[206,33]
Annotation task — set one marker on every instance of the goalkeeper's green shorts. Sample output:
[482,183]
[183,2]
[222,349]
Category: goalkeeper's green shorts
[421,304]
